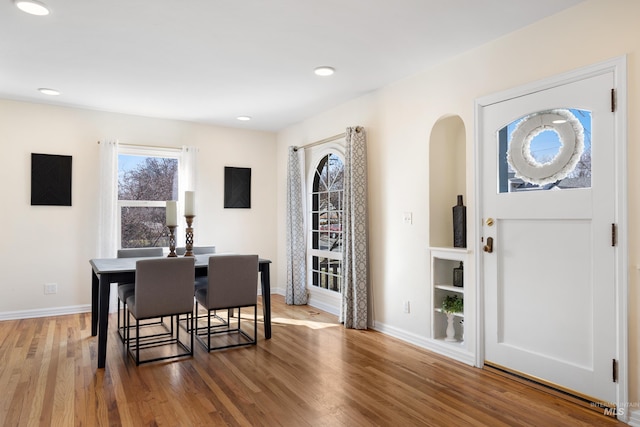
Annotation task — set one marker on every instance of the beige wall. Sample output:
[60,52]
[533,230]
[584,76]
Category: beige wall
[44,244]
[399,120]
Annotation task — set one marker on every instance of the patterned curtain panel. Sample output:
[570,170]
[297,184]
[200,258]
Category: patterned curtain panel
[355,250]
[296,242]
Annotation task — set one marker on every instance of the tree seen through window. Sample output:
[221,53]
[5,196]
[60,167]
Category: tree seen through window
[144,185]
[326,223]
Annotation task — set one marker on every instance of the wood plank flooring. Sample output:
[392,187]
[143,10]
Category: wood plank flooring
[313,372]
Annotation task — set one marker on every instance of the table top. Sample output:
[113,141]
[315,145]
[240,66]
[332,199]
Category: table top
[126,265]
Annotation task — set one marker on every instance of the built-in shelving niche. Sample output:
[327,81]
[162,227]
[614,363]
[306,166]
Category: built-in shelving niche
[447,180]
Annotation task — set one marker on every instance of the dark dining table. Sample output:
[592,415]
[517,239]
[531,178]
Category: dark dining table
[105,271]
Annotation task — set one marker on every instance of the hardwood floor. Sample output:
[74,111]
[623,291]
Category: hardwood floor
[313,372]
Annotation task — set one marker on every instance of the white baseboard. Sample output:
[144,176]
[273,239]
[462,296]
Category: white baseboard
[634,418]
[45,312]
[400,334]
[314,302]
[427,343]
[278,291]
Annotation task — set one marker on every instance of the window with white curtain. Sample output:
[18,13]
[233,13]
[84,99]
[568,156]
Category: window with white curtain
[147,178]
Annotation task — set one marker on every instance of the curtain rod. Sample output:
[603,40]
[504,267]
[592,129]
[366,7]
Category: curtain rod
[322,141]
[155,147]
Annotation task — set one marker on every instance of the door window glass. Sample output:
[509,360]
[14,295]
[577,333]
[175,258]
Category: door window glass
[546,150]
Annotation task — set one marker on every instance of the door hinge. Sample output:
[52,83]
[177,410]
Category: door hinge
[613,100]
[614,235]
[614,367]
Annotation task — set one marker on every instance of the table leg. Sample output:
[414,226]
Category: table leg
[103,322]
[266,298]
[95,293]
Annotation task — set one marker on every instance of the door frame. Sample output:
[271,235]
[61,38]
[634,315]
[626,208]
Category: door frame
[618,66]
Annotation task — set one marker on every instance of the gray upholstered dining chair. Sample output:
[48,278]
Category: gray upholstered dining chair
[201,281]
[125,290]
[231,283]
[202,250]
[197,250]
[163,289]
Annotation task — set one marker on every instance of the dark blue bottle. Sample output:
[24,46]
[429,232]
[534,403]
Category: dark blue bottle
[459,224]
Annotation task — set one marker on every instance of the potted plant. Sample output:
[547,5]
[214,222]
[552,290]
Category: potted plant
[452,304]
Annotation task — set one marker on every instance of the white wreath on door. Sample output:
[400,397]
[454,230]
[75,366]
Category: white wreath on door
[571,135]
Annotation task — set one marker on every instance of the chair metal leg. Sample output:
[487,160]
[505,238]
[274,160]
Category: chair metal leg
[121,330]
[244,337]
[191,331]
[255,324]
[137,342]
[128,334]
[209,330]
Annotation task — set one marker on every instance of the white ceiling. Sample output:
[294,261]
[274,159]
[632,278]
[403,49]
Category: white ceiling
[210,61]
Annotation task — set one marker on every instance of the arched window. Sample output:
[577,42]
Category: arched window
[325,249]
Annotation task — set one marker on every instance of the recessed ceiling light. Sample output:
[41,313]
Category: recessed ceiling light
[324,71]
[244,118]
[33,7]
[48,91]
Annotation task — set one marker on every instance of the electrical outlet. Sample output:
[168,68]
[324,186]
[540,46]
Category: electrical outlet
[406,306]
[407,217]
[50,288]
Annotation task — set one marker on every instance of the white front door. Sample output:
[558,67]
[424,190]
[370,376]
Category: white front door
[549,278]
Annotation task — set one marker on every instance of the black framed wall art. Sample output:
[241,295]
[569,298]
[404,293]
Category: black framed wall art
[237,187]
[50,180]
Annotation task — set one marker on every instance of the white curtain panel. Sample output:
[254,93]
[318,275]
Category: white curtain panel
[355,250]
[186,182]
[108,215]
[108,205]
[296,293]
[188,169]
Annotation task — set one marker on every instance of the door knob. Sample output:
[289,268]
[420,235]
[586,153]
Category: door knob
[489,246]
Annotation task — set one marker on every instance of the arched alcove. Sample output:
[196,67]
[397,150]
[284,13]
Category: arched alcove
[447,177]
[452,334]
